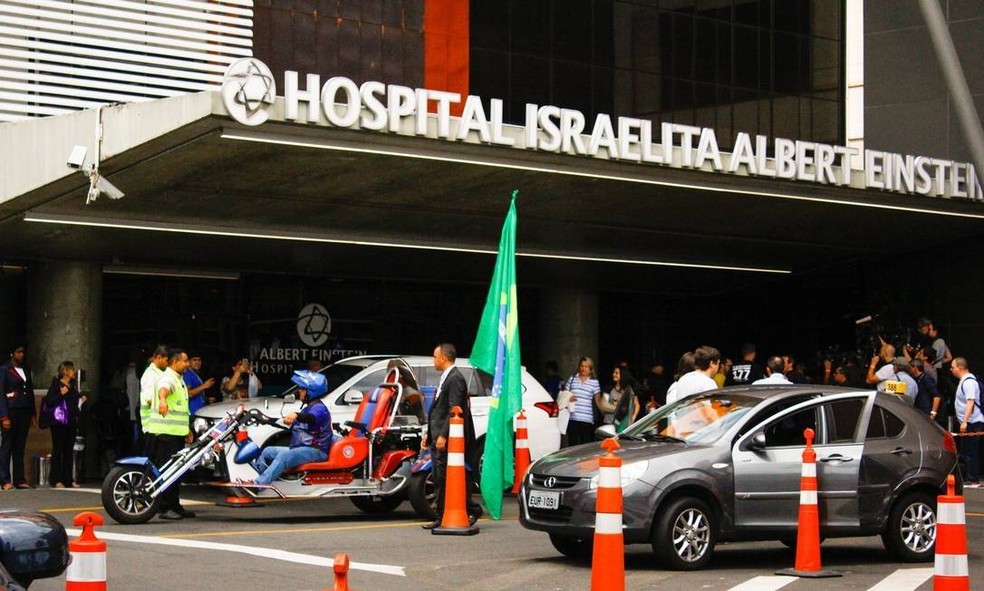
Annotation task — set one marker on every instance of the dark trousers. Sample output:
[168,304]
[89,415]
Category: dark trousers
[62,441]
[161,448]
[440,476]
[12,444]
[579,432]
[970,449]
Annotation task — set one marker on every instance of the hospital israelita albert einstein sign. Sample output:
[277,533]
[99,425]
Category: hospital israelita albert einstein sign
[249,92]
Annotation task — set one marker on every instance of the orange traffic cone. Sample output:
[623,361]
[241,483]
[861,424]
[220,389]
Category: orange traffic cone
[87,571]
[522,456]
[454,522]
[952,573]
[608,555]
[808,530]
[341,573]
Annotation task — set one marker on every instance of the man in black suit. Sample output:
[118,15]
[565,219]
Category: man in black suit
[452,391]
[17,415]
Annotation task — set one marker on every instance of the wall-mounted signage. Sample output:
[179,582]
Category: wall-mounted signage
[374,106]
[313,326]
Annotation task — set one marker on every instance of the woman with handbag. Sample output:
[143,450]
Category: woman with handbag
[621,400]
[583,387]
[60,413]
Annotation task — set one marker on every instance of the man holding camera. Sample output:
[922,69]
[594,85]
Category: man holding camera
[243,383]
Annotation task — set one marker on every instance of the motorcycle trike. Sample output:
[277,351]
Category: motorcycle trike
[368,461]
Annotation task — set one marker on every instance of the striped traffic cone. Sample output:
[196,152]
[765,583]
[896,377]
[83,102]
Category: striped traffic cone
[608,555]
[952,573]
[341,573]
[808,530]
[522,456]
[454,522]
[87,571]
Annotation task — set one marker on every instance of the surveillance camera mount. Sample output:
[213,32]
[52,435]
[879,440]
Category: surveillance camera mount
[98,185]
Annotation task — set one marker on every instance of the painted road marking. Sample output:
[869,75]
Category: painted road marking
[295,531]
[904,579]
[282,555]
[764,584]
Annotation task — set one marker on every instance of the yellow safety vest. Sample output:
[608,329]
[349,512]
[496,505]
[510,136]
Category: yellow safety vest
[147,397]
[176,420]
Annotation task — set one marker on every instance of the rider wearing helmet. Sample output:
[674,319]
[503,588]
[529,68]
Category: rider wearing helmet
[310,431]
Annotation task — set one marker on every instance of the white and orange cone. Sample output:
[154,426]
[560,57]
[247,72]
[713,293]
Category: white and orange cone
[952,573]
[341,569]
[808,531]
[608,554]
[87,571]
[522,454]
[454,522]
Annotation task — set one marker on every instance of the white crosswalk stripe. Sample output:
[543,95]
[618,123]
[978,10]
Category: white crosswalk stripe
[764,584]
[904,579]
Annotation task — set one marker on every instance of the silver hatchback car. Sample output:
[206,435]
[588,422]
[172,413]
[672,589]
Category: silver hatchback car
[726,465]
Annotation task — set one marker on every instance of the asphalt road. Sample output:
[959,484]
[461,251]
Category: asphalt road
[290,546]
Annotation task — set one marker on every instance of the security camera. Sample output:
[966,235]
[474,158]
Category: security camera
[104,186]
[76,159]
[100,186]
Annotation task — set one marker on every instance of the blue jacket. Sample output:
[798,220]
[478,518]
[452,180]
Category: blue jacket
[312,427]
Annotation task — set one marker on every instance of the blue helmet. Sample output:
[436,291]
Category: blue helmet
[315,383]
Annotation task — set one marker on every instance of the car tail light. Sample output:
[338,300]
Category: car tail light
[548,407]
[949,443]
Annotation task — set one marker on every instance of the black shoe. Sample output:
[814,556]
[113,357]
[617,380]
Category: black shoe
[431,525]
[171,515]
[185,513]
[473,518]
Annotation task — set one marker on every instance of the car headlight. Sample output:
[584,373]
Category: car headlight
[200,425]
[630,473]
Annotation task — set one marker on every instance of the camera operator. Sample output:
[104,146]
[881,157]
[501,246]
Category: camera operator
[243,383]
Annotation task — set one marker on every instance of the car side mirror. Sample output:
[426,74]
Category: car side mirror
[605,432]
[757,442]
[290,399]
[352,396]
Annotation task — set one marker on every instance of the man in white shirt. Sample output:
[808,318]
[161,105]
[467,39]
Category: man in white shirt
[883,363]
[774,372]
[966,404]
[706,361]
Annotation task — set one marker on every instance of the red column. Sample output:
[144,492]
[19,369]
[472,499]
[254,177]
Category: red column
[446,51]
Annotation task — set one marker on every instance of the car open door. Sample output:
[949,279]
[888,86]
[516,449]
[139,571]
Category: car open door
[768,464]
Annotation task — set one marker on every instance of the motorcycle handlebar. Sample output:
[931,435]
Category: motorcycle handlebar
[258,417]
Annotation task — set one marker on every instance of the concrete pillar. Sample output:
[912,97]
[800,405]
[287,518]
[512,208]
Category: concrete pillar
[568,328]
[64,320]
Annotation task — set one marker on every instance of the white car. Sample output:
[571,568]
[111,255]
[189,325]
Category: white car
[351,378]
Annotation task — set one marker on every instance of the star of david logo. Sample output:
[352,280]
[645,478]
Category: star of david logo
[313,325]
[248,90]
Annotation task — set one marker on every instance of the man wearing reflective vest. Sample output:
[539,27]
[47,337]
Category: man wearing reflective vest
[168,425]
[148,390]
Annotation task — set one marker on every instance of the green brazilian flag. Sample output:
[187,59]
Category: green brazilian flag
[496,352]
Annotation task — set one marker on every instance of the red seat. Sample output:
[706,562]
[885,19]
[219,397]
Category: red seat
[352,449]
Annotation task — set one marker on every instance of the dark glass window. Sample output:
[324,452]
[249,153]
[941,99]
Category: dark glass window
[771,67]
[884,424]
[789,430]
[843,418]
